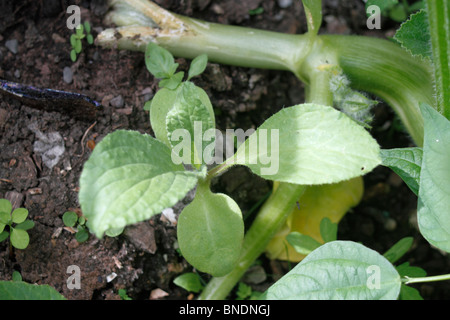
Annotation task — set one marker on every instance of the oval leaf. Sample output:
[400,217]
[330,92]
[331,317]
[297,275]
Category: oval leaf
[309,144]
[433,210]
[19,238]
[19,215]
[210,232]
[339,270]
[128,178]
[198,65]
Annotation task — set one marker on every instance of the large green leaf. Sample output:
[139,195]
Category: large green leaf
[406,162]
[210,232]
[128,178]
[17,290]
[414,35]
[339,270]
[433,210]
[309,144]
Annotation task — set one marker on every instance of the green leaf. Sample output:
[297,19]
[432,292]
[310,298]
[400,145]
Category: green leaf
[128,178]
[413,272]
[87,26]
[73,40]
[313,11]
[173,82]
[2,227]
[19,215]
[414,35]
[159,61]
[210,232]
[189,281]
[4,235]
[114,232]
[26,225]
[82,234]
[78,46]
[70,218]
[16,276]
[163,101]
[6,207]
[5,218]
[439,26]
[90,39]
[384,5]
[11,290]
[433,210]
[73,55]
[198,65]
[19,238]
[339,270]
[309,144]
[302,243]
[409,293]
[188,121]
[79,30]
[406,162]
[399,249]
[328,230]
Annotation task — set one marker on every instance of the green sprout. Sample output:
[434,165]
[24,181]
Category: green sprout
[81,32]
[17,224]
[71,220]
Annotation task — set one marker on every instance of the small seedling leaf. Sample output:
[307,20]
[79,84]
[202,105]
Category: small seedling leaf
[79,30]
[128,178]
[159,61]
[303,244]
[406,162]
[73,40]
[189,281]
[198,65]
[5,217]
[87,26]
[5,206]
[414,35]
[26,225]
[19,215]
[4,235]
[328,230]
[73,55]
[70,218]
[173,82]
[309,144]
[78,46]
[434,190]
[19,238]
[409,293]
[414,272]
[210,232]
[12,290]
[16,276]
[399,249]
[82,235]
[2,227]
[339,270]
[90,39]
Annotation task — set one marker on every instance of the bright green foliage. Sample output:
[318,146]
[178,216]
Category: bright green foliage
[302,243]
[129,178]
[198,65]
[414,35]
[328,230]
[81,32]
[189,281]
[210,232]
[313,11]
[313,144]
[17,225]
[123,294]
[18,290]
[434,191]
[395,10]
[399,249]
[406,162]
[339,270]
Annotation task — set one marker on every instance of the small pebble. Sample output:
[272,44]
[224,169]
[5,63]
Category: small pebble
[284,3]
[117,102]
[12,45]
[17,73]
[67,75]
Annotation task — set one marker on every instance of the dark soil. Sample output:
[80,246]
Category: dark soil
[143,260]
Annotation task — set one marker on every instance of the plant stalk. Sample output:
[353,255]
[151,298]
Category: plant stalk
[408,280]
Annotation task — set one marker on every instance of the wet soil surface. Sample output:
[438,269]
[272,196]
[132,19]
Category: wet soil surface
[34,50]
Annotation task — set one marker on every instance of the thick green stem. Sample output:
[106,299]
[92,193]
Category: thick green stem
[269,220]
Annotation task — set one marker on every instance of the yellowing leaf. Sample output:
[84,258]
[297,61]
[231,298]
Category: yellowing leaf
[330,200]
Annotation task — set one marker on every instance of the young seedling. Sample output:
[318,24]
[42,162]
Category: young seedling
[130,177]
[77,224]
[81,32]
[14,224]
